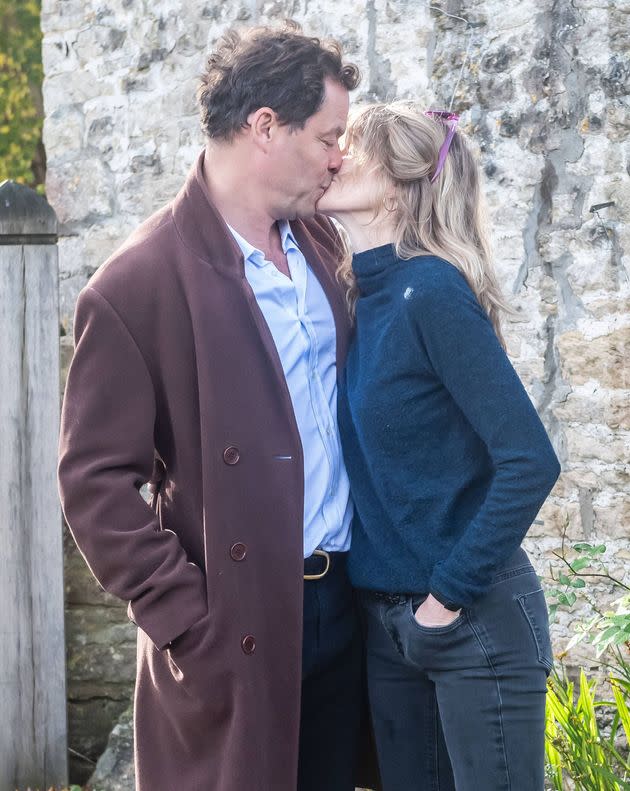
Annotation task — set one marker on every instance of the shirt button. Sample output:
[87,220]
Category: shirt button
[231,455]
[238,551]
[248,644]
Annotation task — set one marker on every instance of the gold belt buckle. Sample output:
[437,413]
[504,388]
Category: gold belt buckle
[322,553]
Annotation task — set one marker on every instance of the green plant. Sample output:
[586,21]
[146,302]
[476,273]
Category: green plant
[586,737]
[608,631]
[21,106]
[72,788]
[576,744]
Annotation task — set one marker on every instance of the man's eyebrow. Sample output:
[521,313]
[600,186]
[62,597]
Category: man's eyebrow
[338,131]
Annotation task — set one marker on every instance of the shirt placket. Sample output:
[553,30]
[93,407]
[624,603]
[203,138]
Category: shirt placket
[321,410]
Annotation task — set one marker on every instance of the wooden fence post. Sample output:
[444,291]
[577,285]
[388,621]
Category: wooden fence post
[33,730]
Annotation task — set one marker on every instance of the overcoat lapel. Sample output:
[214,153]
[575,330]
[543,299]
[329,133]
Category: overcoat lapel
[207,232]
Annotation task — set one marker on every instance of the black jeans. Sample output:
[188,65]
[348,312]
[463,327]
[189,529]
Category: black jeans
[331,681]
[462,706]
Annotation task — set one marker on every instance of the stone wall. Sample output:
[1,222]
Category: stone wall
[542,87]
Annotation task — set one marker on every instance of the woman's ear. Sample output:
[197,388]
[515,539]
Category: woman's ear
[390,198]
[390,204]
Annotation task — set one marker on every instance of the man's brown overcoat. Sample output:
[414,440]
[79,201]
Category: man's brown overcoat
[176,379]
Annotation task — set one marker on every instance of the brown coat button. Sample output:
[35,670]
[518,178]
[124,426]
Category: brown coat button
[248,644]
[231,455]
[238,551]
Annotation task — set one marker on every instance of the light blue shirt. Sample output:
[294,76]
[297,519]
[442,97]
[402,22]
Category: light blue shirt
[303,328]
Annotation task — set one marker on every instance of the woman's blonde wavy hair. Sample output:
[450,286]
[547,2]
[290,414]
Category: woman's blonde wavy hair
[444,219]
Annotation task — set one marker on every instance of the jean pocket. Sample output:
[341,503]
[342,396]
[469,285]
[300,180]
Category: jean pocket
[534,608]
[413,605]
[509,574]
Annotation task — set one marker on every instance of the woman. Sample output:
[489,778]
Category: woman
[448,462]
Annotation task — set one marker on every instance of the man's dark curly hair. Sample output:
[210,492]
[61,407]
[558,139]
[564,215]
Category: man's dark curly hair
[278,68]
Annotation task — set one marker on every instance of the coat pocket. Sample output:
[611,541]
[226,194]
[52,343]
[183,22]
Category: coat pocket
[187,654]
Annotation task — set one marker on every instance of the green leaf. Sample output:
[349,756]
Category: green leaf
[563,598]
[578,582]
[580,563]
[623,711]
[577,638]
[582,547]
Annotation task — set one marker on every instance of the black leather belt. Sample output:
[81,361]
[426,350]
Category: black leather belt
[323,562]
[389,598]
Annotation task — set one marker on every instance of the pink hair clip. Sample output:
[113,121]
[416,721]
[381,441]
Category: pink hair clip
[451,120]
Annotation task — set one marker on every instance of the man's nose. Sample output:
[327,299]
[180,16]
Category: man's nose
[336,158]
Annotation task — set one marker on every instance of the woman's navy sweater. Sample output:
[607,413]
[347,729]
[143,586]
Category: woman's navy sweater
[448,460]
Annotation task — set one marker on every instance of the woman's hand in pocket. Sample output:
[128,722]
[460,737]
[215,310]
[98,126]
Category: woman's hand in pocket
[432,613]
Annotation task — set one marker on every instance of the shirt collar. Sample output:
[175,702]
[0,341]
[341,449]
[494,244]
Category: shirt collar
[286,236]
[256,256]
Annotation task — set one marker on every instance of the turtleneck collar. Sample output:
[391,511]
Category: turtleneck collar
[370,264]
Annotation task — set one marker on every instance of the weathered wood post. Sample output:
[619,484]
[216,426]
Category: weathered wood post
[33,741]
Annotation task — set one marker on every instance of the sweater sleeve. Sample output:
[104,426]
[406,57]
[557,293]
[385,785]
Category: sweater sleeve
[106,455]
[465,353]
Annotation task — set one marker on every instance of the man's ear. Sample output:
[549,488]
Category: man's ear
[263,124]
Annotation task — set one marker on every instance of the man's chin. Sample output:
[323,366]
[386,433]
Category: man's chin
[305,212]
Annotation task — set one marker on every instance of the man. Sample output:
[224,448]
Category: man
[207,350]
